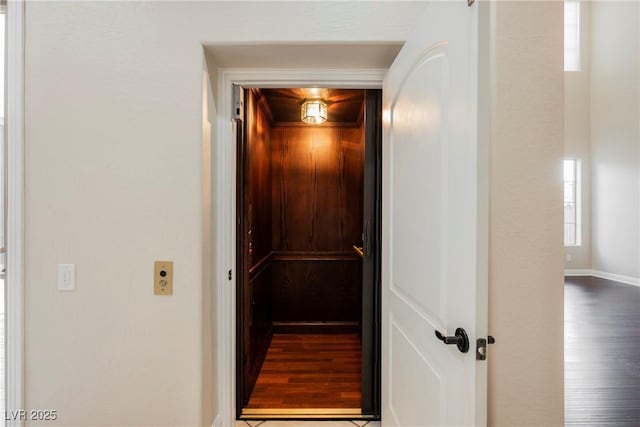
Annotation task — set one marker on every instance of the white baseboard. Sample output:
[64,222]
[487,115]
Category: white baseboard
[617,277]
[604,275]
[578,272]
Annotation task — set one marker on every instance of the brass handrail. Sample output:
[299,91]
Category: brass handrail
[358,251]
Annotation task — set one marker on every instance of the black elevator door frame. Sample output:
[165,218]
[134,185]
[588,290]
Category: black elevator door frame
[371,260]
[242,263]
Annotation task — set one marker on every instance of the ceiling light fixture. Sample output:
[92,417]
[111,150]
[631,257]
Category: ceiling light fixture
[314,112]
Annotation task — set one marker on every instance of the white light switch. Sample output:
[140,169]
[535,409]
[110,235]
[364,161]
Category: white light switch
[66,277]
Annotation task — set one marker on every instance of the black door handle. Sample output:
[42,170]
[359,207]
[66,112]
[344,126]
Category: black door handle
[460,339]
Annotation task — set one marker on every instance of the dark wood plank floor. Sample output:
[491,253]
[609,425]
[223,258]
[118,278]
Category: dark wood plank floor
[310,371]
[602,353]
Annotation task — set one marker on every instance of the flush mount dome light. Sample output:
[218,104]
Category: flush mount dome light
[314,112]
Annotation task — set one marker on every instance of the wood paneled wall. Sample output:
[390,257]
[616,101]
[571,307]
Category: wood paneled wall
[317,199]
[302,209]
[323,289]
[259,180]
[317,188]
[256,277]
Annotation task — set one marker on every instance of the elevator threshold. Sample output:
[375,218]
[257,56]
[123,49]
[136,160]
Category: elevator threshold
[302,413]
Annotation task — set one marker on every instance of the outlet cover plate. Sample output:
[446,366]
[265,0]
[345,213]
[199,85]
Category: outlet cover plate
[66,277]
[163,278]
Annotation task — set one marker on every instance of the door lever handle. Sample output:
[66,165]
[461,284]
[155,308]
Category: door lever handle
[460,339]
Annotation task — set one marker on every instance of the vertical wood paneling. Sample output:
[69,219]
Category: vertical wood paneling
[259,176]
[317,199]
[254,298]
[318,290]
[259,320]
[317,188]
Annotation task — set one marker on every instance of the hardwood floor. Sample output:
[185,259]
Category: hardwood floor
[602,353]
[279,423]
[309,371]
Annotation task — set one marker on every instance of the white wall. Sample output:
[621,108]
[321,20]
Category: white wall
[210,371]
[114,181]
[577,137]
[615,136]
[525,259]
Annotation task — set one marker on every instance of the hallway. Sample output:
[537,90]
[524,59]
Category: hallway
[602,353]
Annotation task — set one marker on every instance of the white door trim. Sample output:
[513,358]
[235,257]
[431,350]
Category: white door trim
[14,313]
[224,194]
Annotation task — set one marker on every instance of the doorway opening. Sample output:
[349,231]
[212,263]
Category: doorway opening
[307,254]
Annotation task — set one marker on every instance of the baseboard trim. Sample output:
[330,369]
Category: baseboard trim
[316,327]
[617,277]
[578,272]
[634,281]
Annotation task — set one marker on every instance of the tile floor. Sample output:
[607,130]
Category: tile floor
[278,423]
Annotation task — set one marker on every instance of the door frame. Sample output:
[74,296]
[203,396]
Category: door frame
[14,200]
[224,189]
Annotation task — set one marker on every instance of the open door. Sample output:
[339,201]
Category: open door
[434,249]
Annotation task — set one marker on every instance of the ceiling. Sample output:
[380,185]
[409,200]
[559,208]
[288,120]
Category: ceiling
[344,106]
[304,55]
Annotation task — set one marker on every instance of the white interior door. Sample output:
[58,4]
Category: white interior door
[434,224]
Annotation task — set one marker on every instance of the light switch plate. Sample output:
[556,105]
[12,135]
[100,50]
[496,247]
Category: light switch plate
[66,277]
[163,278]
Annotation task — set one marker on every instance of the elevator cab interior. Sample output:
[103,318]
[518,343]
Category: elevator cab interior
[307,250]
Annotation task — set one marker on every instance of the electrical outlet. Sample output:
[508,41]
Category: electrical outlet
[66,277]
[163,278]
[569,258]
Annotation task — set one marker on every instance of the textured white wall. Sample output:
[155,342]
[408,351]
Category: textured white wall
[114,181]
[615,137]
[577,136]
[525,261]
[209,397]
